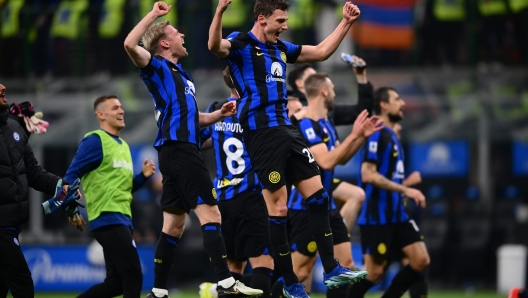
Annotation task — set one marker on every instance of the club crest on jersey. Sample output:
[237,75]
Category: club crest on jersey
[276,73]
[283,57]
[190,90]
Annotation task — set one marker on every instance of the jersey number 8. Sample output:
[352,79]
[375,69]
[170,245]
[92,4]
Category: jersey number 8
[235,163]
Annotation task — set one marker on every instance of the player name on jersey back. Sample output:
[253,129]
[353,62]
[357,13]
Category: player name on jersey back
[232,127]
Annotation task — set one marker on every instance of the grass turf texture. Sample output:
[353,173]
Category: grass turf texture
[194,294]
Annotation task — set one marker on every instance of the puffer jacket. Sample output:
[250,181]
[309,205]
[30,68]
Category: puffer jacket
[19,170]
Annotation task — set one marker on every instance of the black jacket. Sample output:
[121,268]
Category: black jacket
[19,170]
[346,114]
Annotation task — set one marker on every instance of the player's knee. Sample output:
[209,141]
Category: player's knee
[175,230]
[214,215]
[360,196]
[375,274]
[421,262]
[278,209]
[303,273]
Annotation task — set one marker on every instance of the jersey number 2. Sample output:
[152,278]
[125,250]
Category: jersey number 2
[309,154]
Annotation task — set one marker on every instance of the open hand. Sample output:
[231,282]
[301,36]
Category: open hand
[161,8]
[229,109]
[372,125]
[416,195]
[350,12]
[149,168]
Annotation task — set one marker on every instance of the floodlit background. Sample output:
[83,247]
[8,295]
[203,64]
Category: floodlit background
[460,65]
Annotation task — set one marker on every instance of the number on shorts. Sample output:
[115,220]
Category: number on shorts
[236,156]
[309,154]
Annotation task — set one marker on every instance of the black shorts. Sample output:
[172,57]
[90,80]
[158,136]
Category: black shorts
[245,226]
[335,185]
[377,241]
[299,234]
[186,180]
[279,154]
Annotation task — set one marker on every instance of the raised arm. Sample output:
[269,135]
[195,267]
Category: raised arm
[216,44]
[138,54]
[327,47]
[207,119]
[363,127]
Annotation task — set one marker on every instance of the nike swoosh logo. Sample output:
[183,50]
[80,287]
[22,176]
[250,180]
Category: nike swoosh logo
[225,256]
[260,54]
[282,255]
[326,235]
[326,140]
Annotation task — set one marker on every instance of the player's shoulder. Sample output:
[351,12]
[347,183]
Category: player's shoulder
[386,134]
[307,123]
[282,45]
[239,37]
[309,129]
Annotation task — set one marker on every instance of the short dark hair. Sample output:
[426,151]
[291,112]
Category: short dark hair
[102,99]
[227,78]
[382,94]
[314,83]
[267,7]
[296,74]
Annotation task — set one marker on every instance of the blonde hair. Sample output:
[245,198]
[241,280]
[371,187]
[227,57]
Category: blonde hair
[153,35]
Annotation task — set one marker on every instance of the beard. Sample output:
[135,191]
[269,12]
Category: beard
[395,118]
[4,107]
[329,105]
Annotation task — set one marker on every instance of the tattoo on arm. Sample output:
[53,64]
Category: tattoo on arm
[375,178]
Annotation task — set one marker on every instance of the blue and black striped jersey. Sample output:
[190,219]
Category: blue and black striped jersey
[258,71]
[381,206]
[234,173]
[175,109]
[314,133]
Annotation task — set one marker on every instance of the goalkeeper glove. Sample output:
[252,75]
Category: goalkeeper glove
[73,207]
[61,198]
[35,124]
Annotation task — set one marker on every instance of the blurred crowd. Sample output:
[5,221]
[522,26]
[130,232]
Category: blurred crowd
[81,37]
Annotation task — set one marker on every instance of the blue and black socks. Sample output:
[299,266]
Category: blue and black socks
[280,247]
[163,258]
[320,227]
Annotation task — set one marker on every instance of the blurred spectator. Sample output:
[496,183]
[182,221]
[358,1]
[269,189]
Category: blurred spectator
[519,11]
[444,31]
[68,28]
[301,17]
[492,33]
